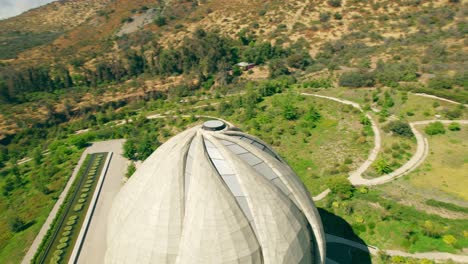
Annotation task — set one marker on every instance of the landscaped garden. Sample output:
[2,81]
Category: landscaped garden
[60,240]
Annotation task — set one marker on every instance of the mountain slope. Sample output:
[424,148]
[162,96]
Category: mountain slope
[42,25]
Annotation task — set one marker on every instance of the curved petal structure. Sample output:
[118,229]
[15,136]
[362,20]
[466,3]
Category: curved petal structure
[214,195]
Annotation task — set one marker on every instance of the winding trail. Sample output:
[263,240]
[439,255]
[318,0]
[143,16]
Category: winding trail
[419,156]
[438,98]
[355,177]
[374,251]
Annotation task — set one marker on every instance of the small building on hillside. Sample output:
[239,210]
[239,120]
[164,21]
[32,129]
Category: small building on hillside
[245,66]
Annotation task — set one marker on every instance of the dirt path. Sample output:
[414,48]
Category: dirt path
[438,98]
[374,251]
[419,156]
[321,195]
[355,177]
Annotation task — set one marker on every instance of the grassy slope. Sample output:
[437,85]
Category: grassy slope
[315,157]
[32,206]
[446,166]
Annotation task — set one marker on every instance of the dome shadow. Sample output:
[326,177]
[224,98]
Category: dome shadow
[338,252]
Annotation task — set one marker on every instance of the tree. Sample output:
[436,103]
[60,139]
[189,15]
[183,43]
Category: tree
[8,186]
[334,3]
[341,187]
[160,20]
[357,79]
[39,181]
[324,17]
[130,149]
[400,128]
[16,224]
[435,128]
[440,82]
[290,111]
[277,68]
[146,147]
[312,115]
[37,156]
[432,230]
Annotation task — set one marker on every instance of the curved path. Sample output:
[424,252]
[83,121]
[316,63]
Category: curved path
[374,251]
[321,195]
[355,177]
[419,156]
[438,98]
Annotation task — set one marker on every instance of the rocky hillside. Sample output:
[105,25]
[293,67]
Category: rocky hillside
[42,25]
[406,44]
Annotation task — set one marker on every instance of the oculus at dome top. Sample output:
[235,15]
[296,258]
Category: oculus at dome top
[213,195]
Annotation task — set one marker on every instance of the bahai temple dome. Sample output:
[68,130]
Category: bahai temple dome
[214,195]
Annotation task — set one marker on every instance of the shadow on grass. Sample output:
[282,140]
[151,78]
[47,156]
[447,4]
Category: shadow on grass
[341,253]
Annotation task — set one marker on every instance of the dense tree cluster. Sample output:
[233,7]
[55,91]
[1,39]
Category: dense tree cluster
[400,128]
[206,56]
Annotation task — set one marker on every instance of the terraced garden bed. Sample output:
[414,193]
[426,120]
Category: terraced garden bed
[58,246]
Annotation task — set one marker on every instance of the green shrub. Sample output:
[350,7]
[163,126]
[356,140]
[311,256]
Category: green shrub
[318,83]
[64,239]
[68,228]
[85,190]
[334,3]
[58,252]
[87,185]
[449,240]
[290,112]
[89,181]
[440,83]
[73,217]
[324,17]
[62,245]
[78,207]
[382,166]
[435,128]
[341,187]
[400,128]
[84,195]
[391,73]
[71,222]
[357,79]
[16,224]
[66,233]
[160,20]
[55,259]
[454,113]
[454,126]
[448,206]
[81,200]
